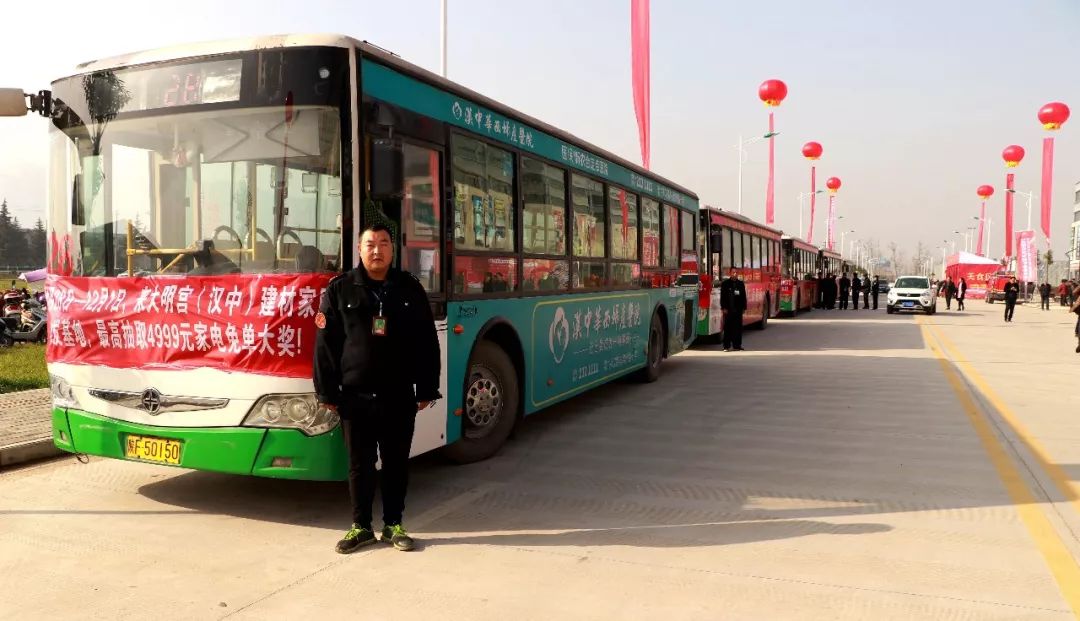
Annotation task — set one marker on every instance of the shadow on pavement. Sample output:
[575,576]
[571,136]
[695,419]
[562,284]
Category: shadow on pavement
[758,448]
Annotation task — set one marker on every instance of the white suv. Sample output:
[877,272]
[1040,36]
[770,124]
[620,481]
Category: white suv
[911,293]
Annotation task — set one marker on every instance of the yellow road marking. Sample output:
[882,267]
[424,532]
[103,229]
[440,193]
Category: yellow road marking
[1061,563]
[1068,489]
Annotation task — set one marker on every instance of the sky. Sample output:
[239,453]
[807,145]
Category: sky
[913,101]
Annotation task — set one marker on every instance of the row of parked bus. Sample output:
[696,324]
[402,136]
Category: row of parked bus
[779,270]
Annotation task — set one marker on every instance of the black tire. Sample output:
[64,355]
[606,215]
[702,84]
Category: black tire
[889,310]
[6,340]
[492,384]
[654,355]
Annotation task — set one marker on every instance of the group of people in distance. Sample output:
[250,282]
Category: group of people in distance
[833,290]
[954,289]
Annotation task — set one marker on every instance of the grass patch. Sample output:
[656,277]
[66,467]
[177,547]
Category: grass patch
[22,367]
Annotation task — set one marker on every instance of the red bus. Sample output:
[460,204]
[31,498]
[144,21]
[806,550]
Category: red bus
[798,280]
[727,242]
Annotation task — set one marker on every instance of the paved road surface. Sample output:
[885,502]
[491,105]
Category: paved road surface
[848,466]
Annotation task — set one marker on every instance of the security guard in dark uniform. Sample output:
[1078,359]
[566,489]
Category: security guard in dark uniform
[733,305]
[377,363]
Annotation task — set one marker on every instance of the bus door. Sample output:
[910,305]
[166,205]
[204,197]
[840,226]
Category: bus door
[717,265]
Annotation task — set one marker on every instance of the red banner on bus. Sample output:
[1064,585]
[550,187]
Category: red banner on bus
[256,323]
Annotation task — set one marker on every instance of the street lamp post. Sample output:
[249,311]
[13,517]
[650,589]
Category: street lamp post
[1029,196]
[989,223]
[842,234]
[742,157]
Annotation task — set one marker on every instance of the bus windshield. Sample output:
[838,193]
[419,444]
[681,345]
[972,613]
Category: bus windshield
[203,191]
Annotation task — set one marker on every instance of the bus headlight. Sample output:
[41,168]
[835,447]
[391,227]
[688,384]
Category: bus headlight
[62,394]
[292,411]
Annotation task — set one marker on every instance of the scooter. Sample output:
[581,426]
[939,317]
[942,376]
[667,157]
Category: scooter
[29,326]
[13,299]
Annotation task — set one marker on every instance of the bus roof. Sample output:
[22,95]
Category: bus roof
[212,48]
[717,211]
[799,243]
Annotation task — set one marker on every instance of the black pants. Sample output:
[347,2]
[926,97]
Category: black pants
[843,300]
[378,428]
[948,301]
[866,299]
[1010,306]
[1045,302]
[732,330]
[875,301]
[959,303]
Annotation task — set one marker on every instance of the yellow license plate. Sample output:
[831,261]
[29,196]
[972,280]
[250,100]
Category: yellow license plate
[157,450]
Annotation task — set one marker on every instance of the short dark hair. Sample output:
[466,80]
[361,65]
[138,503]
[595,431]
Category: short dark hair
[375,228]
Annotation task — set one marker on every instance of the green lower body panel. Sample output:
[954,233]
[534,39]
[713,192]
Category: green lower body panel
[235,450]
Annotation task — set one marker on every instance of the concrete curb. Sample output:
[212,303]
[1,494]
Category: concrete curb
[28,451]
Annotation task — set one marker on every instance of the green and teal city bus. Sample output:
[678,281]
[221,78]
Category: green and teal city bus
[201,197]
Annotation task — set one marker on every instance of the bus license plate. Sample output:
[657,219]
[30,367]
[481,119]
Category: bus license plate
[157,450]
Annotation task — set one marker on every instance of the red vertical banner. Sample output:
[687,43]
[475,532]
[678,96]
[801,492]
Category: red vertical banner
[769,202]
[1047,185]
[831,230]
[1009,215]
[813,203]
[982,223]
[639,56]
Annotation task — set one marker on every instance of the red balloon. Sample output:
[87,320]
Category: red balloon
[812,150]
[1012,155]
[772,92]
[833,183]
[1053,115]
[985,191]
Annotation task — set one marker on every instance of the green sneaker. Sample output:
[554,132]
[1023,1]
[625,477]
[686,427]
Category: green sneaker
[395,535]
[355,539]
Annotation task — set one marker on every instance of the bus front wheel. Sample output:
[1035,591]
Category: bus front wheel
[489,406]
[654,355]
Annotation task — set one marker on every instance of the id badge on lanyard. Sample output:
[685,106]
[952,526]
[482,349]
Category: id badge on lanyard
[378,322]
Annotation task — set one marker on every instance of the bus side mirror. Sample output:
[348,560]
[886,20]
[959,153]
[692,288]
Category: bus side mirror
[387,169]
[12,102]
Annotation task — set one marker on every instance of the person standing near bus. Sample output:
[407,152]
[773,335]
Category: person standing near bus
[845,288]
[1012,293]
[733,305]
[961,293]
[377,363]
[875,289]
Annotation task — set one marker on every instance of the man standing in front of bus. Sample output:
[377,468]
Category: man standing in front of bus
[733,305]
[377,364]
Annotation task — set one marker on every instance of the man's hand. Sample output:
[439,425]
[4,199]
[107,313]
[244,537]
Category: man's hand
[329,406]
[423,405]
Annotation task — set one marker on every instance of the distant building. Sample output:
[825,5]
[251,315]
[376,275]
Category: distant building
[1074,238]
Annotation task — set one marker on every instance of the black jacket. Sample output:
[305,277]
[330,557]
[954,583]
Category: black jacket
[350,359]
[875,287]
[1044,290]
[1012,291]
[733,296]
[962,290]
[845,284]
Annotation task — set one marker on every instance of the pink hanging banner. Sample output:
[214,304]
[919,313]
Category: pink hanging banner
[813,203]
[769,203]
[1047,185]
[982,221]
[1026,262]
[1008,216]
[831,232]
[639,55]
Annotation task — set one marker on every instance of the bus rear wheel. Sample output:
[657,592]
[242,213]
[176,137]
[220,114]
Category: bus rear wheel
[489,406]
[654,355]
[765,308]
